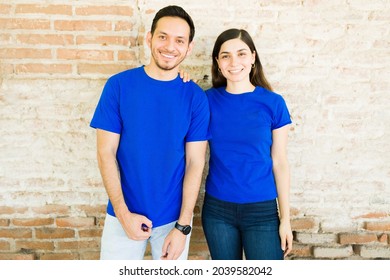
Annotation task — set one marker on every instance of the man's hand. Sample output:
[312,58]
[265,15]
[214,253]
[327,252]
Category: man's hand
[174,245]
[137,227]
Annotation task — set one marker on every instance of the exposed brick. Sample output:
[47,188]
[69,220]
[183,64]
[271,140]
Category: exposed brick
[377,226]
[375,252]
[90,233]
[300,250]
[75,222]
[71,245]
[75,54]
[373,215]
[29,24]
[302,224]
[4,245]
[4,222]
[92,210]
[5,9]
[60,256]
[104,10]
[350,238]
[4,210]
[15,233]
[332,253]
[84,68]
[316,238]
[33,222]
[105,40]
[43,9]
[17,256]
[82,25]
[34,245]
[54,209]
[54,233]
[46,39]
[383,238]
[43,68]
[89,255]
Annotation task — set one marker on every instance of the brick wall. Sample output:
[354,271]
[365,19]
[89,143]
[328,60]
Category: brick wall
[329,59]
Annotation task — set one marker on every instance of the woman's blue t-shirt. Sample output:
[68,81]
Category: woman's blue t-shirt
[240,167]
[154,119]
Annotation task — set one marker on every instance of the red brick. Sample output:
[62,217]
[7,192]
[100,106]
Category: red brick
[95,211]
[105,40]
[4,210]
[29,24]
[104,10]
[90,255]
[59,256]
[302,224]
[4,246]
[383,238]
[43,9]
[17,256]
[90,233]
[351,238]
[53,209]
[34,245]
[43,68]
[300,250]
[82,25]
[74,54]
[123,26]
[72,245]
[5,9]
[126,55]
[75,222]
[373,215]
[48,39]
[4,222]
[107,69]
[377,226]
[15,233]
[52,233]
[33,222]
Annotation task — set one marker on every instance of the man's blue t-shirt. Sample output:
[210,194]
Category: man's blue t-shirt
[240,168]
[154,119]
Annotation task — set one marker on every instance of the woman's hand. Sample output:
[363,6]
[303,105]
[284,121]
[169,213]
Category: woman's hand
[286,236]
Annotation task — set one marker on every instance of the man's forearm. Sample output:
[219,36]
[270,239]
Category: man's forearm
[192,180]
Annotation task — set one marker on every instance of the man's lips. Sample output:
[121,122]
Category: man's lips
[169,56]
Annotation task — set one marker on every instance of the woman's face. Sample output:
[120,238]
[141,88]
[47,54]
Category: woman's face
[235,60]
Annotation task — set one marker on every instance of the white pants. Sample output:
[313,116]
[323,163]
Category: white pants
[115,245]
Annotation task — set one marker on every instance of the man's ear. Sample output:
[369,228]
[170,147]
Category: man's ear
[149,38]
[190,47]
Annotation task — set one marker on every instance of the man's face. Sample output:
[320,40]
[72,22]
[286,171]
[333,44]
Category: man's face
[170,43]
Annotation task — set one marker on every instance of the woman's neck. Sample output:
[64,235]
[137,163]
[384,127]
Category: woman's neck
[238,88]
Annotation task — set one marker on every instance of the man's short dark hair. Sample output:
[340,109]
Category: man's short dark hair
[174,11]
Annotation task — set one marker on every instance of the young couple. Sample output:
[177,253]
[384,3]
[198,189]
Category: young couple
[152,133]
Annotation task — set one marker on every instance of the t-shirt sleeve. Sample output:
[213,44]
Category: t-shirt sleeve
[281,115]
[107,114]
[200,118]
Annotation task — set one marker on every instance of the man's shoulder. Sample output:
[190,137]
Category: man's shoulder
[132,72]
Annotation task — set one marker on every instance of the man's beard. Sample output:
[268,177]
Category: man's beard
[167,68]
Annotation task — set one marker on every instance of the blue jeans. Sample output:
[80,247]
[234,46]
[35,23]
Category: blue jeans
[232,229]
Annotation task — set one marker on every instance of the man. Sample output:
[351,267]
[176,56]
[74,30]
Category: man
[152,132]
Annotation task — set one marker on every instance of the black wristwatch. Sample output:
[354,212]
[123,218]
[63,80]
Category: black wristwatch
[184,229]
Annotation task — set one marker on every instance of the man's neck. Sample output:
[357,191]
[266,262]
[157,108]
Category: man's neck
[159,74]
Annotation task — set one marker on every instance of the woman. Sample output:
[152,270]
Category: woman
[246,206]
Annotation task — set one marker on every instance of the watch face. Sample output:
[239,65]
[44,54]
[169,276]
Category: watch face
[186,230]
